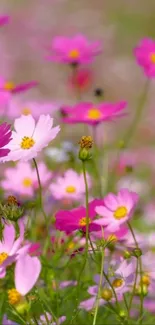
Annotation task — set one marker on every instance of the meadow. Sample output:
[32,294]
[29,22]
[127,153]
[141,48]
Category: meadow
[77,162]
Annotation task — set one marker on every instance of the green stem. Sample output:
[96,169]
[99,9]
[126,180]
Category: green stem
[99,288]
[141,296]
[87,208]
[141,273]
[96,161]
[40,191]
[134,289]
[113,290]
[130,132]
[125,302]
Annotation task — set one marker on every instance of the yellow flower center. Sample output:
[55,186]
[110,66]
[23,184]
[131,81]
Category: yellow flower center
[94,113]
[106,294]
[83,221]
[3,257]
[145,280]
[27,143]
[112,238]
[153,57]
[71,189]
[74,54]
[71,245]
[120,213]
[27,182]
[9,85]
[26,111]
[14,296]
[117,283]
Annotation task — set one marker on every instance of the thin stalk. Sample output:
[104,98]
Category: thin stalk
[113,290]
[130,132]
[134,289]
[40,191]
[87,208]
[99,288]
[96,160]
[141,273]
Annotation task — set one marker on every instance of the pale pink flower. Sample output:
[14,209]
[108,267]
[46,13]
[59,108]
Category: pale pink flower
[30,137]
[27,272]
[10,247]
[22,179]
[69,186]
[51,319]
[117,209]
[18,107]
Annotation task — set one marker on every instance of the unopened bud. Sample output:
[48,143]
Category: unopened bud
[106,294]
[129,169]
[142,290]
[23,308]
[86,142]
[122,313]
[127,254]
[121,144]
[145,280]
[137,252]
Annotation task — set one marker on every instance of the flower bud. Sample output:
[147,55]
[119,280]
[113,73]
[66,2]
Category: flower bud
[127,254]
[106,294]
[121,144]
[142,290]
[86,144]
[23,308]
[122,313]
[137,252]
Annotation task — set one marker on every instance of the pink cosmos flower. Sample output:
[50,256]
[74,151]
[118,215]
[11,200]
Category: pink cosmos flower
[70,186]
[30,137]
[90,113]
[27,271]
[10,247]
[116,209]
[77,49]
[116,236]
[10,87]
[4,20]
[50,318]
[82,80]
[121,277]
[145,56]
[5,138]
[17,107]
[75,219]
[22,179]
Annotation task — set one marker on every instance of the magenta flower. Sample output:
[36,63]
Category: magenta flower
[75,219]
[10,87]
[93,114]
[10,247]
[116,209]
[30,137]
[5,138]
[27,271]
[4,20]
[145,56]
[77,49]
